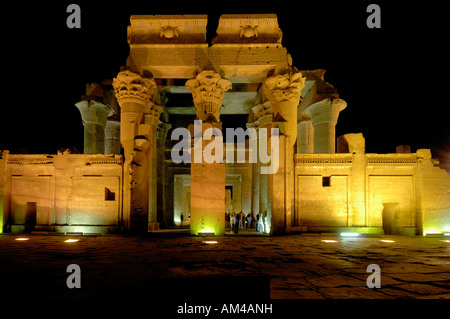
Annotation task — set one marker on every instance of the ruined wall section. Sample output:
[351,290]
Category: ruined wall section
[64,192]
[402,194]
[434,183]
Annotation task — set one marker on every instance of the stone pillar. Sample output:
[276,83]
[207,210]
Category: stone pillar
[4,196]
[256,177]
[280,189]
[112,137]
[152,118]
[162,131]
[355,144]
[305,139]
[262,119]
[94,116]
[324,115]
[283,89]
[207,178]
[133,94]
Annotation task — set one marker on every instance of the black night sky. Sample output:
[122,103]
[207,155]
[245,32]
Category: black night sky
[392,78]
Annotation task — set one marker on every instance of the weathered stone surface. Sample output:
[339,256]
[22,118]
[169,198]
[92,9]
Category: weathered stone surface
[122,266]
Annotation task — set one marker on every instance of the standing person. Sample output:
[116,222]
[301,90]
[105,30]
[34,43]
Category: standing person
[232,222]
[261,223]
[240,220]
[236,223]
[249,221]
[258,216]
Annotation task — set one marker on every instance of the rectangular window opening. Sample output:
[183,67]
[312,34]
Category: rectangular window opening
[109,196]
[326,181]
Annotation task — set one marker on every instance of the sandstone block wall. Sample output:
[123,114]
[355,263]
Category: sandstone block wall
[64,192]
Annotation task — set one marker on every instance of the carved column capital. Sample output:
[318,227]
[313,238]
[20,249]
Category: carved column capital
[262,115]
[161,133]
[283,89]
[326,110]
[152,113]
[285,84]
[208,89]
[131,87]
[324,115]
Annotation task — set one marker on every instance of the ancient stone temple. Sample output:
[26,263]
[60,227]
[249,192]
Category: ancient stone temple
[188,131]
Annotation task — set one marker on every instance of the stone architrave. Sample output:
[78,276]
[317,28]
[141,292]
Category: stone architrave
[283,89]
[207,179]
[94,116]
[133,94]
[324,116]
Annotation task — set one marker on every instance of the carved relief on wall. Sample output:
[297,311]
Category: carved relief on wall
[248,31]
[168,32]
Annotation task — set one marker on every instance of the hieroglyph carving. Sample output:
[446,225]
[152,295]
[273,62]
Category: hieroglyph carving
[207,90]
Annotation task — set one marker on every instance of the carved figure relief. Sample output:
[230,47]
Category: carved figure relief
[168,32]
[248,31]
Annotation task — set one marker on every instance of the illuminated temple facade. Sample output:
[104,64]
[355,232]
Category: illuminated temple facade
[127,180]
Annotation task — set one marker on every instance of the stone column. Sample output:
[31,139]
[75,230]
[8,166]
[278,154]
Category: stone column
[283,90]
[355,144]
[112,137]
[133,94]
[152,118]
[305,140]
[4,193]
[324,116]
[161,133]
[256,175]
[262,119]
[94,116]
[207,179]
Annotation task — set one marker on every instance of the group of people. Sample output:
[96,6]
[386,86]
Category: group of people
[239,220]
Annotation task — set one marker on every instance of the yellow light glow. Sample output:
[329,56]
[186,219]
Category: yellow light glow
[446,241]
[387,241]
[210,242]
[71,240]
[22,238]
[329,241]
[432,232]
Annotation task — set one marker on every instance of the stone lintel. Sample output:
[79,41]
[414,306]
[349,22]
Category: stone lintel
[246,64]
[167,29]
[248,28]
